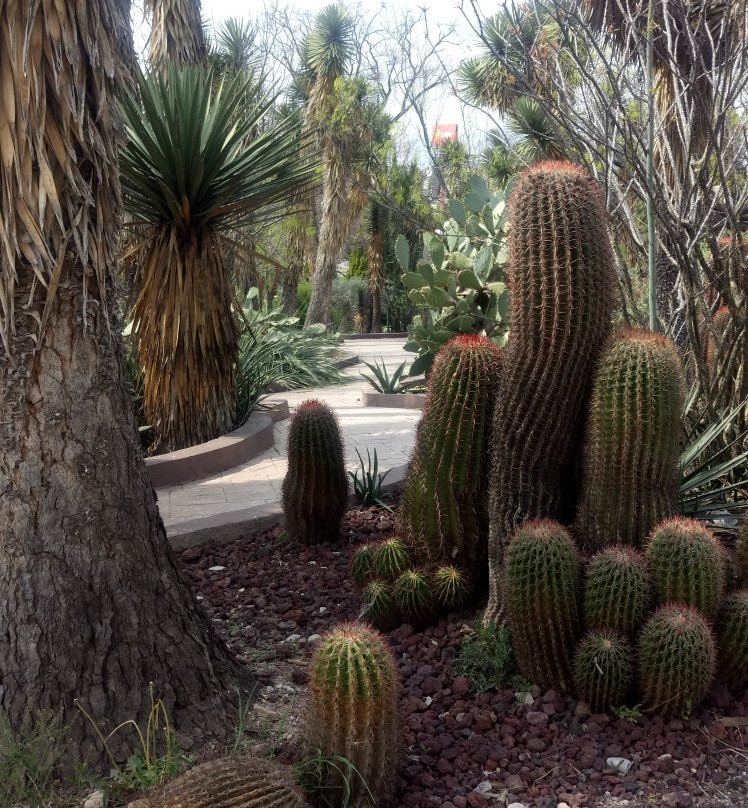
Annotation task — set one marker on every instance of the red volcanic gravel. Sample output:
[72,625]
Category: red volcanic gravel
[461,750]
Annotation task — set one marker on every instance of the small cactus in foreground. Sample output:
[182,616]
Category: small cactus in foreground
[630,480]
[315,488]
[602,670]
[676,660]
[379,604]
[362,564]
[450,586]
[733,639]
[414,596]
[617,590]
[240,781]
[541,591]
[353,711]
[687,565]
[391,558]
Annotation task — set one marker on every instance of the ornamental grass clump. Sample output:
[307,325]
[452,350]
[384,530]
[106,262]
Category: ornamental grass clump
[617,590]
[631,462]
[542,585]
[353,694]
[687,565]
[315,488]
[603,666]
[732,629]
[676,660]
[561,285]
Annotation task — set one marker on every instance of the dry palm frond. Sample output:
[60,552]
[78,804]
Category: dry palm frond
[59,196]
[177,33]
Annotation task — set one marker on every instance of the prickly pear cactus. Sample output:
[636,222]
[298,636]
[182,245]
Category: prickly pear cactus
[617,590]
[631,471]
[542,585]
[353,694]
[676,660]
[687,565]
[732,630]
[240,781]
[315,488]
[444,506]
[603,666]
[561,290]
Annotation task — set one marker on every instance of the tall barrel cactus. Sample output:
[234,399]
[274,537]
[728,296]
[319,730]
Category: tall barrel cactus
[687,565]
[444,508]
[353,711]
[733,639]
[561,288]
[240,781]
[315,488]
[602,670]
[676,660]
[631,470]
[617,590]
[542,586]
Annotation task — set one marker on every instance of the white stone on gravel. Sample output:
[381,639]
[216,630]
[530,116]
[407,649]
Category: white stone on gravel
[621,765]
[216,569]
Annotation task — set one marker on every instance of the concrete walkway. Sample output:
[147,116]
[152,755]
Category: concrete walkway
[390,431]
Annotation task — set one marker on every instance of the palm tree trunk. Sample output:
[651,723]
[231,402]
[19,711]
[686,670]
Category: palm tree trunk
[177,33]
[376,266]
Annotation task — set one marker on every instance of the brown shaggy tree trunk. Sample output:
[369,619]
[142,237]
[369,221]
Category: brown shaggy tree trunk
[93,605]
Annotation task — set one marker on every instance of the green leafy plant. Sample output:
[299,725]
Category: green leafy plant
[381,381]
[368,489]
[329,780]
[486,657]
[462,286]
[625,713]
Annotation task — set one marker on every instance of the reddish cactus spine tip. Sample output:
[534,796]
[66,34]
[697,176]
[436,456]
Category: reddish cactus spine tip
[556,167]
[310,404]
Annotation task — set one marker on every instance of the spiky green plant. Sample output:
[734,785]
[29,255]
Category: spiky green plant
[687,565]
[631,464]
[362,564]
[239,781]
[444,508]
[451,586]
[391,558]
[676,660]
[315,488]
[379,604]
[602,670]
[561,278]
[617,590]
[414,595]
[353,694]
[732,631]
[541,583]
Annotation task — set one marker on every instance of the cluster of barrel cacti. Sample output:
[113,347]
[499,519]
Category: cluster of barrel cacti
[661,612]
[315,488]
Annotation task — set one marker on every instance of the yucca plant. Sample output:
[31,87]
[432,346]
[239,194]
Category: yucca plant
[193,173]
[368,489]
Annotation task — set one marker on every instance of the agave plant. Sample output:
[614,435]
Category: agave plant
[194,173]
[382,381]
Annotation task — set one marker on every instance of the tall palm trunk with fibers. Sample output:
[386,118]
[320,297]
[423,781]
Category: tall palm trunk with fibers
[177,33]
[93,605]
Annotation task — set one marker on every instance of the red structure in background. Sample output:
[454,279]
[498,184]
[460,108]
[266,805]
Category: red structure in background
[442,133]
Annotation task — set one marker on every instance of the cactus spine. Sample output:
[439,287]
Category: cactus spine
[353,710]
[617,590]
[561,282]
[687,565]
[541,601]
[733,639]
[444,509]
[676,660]
[602,670]
[240,781]
[450,586]
[630,480]
[315,488]
[391,558]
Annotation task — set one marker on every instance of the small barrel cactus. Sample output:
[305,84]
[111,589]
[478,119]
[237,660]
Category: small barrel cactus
[391,558]
[362,564]
[315,488]
[561,272]
[617,590]
[541,594]
[379,604]
[239,781]
[741,552]
[414,596]
[353,711]
[602,670]
[451,587]
[676,660]
[733,639]
[687,565]
[444,506]
[630,479]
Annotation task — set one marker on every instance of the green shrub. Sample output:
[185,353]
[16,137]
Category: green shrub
[486,657]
